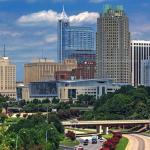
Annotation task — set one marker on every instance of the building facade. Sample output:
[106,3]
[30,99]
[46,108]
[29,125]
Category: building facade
[145,72]
[113,45]
[44,69]
[7,78]
[140,51]
[94,87]
[70,89]
[75,42]
[84,70]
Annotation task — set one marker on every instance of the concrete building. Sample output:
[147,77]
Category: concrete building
[140,51]
[95,87]
[145,72]
[65,90]
[44,69]
[74,41]
[84,70]
[7,78]
[113,45]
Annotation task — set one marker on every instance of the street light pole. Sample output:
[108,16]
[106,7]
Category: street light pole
[46,139]
[17,142]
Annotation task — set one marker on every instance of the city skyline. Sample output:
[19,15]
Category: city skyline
[28,27]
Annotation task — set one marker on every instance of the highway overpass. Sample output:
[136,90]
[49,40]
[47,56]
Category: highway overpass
[102,125]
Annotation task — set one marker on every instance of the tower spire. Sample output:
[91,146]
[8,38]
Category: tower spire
[63,15]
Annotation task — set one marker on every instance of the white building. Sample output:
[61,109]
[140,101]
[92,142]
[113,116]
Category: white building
[140,51]
[95,87]
[7,77]
[145,72]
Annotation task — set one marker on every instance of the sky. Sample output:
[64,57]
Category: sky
[28,28]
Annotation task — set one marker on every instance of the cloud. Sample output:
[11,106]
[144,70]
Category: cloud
[51,38]
[51,17]
[84,17]
[97,1]
[39,17]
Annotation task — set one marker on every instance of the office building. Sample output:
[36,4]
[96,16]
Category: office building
[44,69]
[94,87]
[140,51]
[74,41]
[84,70]
[145,72]
[67,89]
[7,78]
[43,89]
[113,45]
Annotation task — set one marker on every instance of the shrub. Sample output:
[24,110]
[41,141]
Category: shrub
[71,135]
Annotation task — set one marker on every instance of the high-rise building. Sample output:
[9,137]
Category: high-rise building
[7,78]
[140,51]
[145,72]
[44,69]
[84,70]
[113,45]
[75,42]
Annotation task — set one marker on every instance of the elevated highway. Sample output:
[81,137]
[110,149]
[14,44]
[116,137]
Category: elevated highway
[105,122]
[102,125]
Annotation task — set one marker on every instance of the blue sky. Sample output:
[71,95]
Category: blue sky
[28,27]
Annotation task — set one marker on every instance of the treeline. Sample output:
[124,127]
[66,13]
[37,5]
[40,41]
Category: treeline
[126,103]
[36,132]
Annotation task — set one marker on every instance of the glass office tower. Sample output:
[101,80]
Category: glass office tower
[75,42]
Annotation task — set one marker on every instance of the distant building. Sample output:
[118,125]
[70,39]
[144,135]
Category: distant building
[67,89]
[145,72]
[19,90]
[44,69]
[84,70]
[63,75]
[95,87]
[41,90]
[75,42]
[140,51]
[113,45]
[7,78]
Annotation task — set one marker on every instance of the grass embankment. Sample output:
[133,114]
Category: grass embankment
[122,144]
[107,136]
[84,131]
[67,142]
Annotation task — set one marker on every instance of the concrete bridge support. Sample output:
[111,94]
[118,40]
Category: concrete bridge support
[105,130]
[102,130]
[99,129]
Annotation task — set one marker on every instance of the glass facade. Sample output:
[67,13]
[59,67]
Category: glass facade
[75,42]
[42,89]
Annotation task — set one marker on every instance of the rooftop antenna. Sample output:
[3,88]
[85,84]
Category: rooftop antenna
[4,50]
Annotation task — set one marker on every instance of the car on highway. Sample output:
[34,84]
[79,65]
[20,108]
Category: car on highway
[94,140]
[101,139]
[86,142]
[79,148]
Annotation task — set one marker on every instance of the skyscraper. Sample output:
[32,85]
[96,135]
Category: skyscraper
[145,72]
[7,78]
[113,45]
[140,51]
[75,42]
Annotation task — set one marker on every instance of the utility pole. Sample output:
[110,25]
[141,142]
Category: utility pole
[17,142]
[46,139]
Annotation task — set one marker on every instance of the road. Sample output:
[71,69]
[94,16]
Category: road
[90,146]
[138,142]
